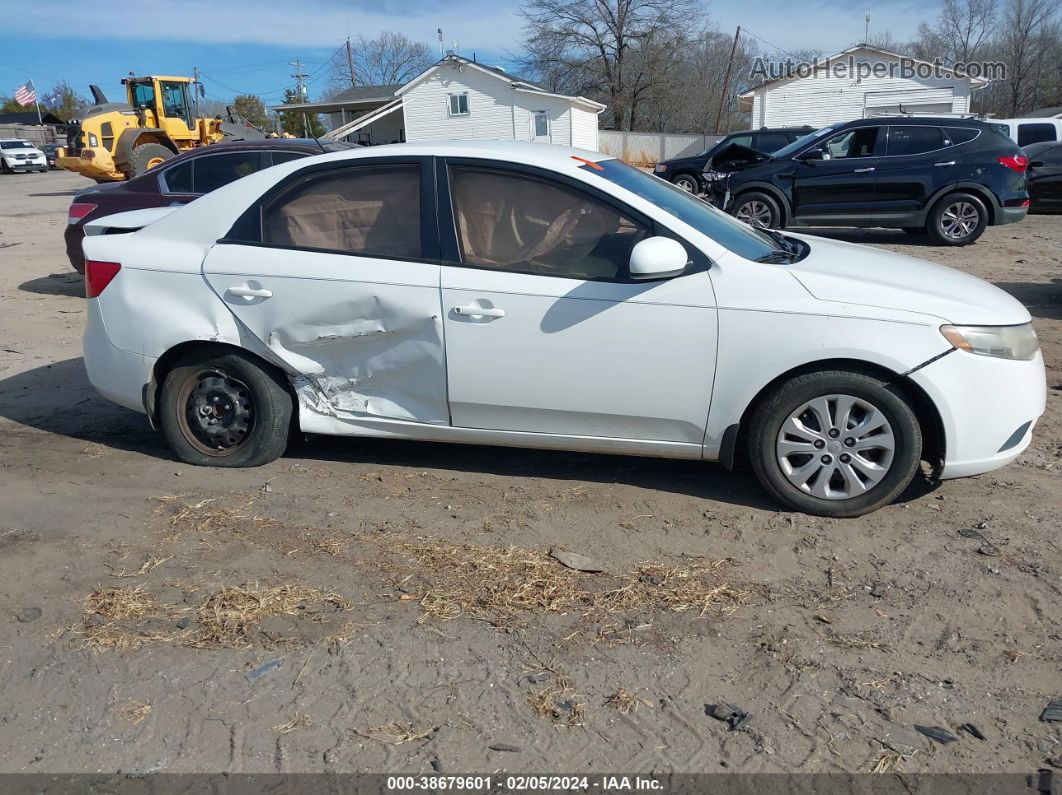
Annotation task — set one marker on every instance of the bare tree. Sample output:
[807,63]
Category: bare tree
[388,59]
[1029,36]
[960,34]
[619,51]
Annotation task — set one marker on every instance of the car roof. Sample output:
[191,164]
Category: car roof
[548,155]
[916,121]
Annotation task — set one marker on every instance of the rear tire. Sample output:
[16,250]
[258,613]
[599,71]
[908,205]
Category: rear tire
[224,409]
[147,156]
[863,443]
[757,209]
[957,220]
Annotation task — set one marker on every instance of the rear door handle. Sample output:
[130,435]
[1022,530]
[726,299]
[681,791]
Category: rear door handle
[478,311]
[249,292]
[863,170]
[949,163]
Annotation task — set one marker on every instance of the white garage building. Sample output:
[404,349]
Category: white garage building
[861,82]
[459,99]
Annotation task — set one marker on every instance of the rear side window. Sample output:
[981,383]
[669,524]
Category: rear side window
[367,210]
[1035,133]
[914,140]
[213,171]
[960,135]
[771,141]
[284,157]
[178,178]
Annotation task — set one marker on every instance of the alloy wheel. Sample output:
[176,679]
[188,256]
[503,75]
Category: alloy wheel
[836,447]
[959,220]
[754,213]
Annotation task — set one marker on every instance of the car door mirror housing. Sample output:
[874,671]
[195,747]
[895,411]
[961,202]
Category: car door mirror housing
[815,154]
[658,258]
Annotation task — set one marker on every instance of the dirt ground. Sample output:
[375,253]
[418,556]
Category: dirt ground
[415,623]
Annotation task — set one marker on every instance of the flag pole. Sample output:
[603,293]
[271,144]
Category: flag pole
[36,101]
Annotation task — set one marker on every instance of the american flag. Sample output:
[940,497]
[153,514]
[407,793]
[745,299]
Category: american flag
[26,95]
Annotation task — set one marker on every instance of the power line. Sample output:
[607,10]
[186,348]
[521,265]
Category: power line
[769,44]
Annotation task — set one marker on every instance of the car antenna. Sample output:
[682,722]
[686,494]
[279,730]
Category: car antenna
[310,131]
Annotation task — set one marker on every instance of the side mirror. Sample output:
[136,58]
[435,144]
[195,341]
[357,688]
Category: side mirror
[816,154]
[658,258]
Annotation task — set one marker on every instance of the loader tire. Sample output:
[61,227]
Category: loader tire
[146,157]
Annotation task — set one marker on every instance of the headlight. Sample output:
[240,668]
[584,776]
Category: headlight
[93,141]
[711,176]
[660,168]
[1003,342]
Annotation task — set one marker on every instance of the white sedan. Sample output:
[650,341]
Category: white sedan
[538,296]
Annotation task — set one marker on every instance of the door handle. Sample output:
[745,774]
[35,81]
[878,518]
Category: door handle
[478,311]
[249,292]
[949,163]
[863,170]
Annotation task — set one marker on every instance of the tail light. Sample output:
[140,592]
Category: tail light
[79,210]
[98,275]
[1014,162]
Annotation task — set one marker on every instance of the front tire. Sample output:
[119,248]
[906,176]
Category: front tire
[757,209]
[957,220]
[224,409]
[835,443]
[146,157]
[686,182]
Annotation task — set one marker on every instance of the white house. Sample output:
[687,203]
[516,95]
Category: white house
[860,82]
[459,99]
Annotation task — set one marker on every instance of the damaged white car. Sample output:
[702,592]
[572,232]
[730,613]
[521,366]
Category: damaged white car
[537,296]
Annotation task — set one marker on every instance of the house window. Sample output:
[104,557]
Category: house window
[459,104]
[541,124]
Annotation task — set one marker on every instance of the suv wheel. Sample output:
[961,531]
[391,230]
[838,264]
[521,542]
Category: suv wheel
[835,443]
[223,409]
[957,220]
[687,182]
[757,209]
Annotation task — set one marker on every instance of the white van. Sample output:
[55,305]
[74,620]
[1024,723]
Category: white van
[1031,131]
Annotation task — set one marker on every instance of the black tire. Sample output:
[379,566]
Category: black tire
[757,205]
[941,217]
[765,439]
[6,168]
[142,156]
[915,231]
[254,410]
[687,182]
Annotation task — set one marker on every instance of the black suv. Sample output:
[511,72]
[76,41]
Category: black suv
[685,172]
[949,178]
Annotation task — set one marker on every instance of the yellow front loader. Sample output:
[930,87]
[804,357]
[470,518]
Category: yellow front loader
[120,140]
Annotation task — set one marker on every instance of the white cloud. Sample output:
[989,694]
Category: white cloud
[310,23]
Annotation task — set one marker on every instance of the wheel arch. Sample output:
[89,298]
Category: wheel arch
[166,362]
[733,453]
[980,191]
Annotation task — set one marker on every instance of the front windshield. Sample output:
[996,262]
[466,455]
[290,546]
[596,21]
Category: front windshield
[801,142]
[742,239]
[15,145]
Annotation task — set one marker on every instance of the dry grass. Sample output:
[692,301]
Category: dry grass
[626,702]
[888,762]
[855,642]
[499,584]
[300,721]
[129,618]
[152,563]
[395,733]
[135,712]
[556,700]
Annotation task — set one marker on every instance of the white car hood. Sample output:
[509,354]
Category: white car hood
[856,274]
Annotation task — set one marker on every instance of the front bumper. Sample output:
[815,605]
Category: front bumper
[27,165]
[117,374]
[988,407]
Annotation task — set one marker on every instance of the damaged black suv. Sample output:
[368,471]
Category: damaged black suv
[945,177]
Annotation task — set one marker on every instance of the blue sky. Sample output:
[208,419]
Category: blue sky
[245,45]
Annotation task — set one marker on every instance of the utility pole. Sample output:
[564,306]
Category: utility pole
[441,50]
[300,79]
[866,30]
[726,80]
[195,89]
[350,63]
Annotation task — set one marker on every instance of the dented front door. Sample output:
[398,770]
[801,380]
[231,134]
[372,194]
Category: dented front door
[361,335]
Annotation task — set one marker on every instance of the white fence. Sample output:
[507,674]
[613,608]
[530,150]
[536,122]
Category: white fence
[645,149]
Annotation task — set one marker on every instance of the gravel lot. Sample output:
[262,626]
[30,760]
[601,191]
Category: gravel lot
[420,627]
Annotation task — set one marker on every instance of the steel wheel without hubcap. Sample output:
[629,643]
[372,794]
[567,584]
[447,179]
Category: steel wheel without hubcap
[754,213]
[959,220]
[836,447]
[216,412]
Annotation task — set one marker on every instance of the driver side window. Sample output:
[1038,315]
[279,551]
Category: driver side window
[862,142]
[520,223]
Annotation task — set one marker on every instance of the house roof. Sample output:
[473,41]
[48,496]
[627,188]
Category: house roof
[1053,112]
[381,93]
[975,82]
[29,117]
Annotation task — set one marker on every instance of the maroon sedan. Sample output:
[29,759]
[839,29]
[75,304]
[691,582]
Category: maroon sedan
[180,180]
